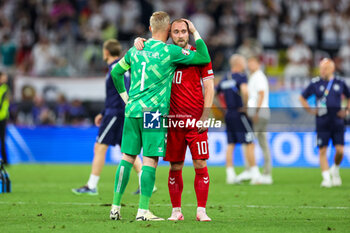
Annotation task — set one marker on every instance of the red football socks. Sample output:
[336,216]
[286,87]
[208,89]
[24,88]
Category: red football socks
[175,184]
[201,186]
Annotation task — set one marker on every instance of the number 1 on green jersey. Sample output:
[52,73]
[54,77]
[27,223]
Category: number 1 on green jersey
[143,76]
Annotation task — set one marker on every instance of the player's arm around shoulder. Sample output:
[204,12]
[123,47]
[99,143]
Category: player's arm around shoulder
[139,43]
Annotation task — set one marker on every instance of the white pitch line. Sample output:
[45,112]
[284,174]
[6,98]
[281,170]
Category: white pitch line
[188,205]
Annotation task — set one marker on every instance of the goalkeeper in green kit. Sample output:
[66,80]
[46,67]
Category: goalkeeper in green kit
[152,71]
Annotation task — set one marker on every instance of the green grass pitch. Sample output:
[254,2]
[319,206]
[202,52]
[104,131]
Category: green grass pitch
[42,201]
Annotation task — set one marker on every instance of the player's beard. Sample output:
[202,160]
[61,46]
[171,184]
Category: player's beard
[181,42]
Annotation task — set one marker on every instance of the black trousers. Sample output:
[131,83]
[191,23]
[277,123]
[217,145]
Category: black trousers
[2,140]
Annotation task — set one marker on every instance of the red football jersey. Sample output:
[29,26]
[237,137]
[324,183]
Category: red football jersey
[186,99]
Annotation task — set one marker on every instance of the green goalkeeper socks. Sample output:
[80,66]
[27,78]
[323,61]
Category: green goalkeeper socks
[121,180]
[148,178]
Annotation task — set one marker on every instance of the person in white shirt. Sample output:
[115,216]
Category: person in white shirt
[344,55]
[307,28]
[330,31]
[267,30]
[343,23]
[287,32]
[259,112]
[45,58]
[299,57]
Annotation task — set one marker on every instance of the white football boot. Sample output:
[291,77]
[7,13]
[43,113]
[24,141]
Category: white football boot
[336,179]
[202,215]
[176,215]
[244,176]
[326,183]
[256,177]
[146,215]
[266,179]
[231,177]
[115,213]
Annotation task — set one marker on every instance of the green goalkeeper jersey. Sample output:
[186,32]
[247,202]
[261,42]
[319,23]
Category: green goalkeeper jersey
[152,71]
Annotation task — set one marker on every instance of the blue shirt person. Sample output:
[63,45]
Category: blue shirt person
[330,124]
[230,86]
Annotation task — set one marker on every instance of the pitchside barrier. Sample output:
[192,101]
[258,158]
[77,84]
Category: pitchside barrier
[75,145]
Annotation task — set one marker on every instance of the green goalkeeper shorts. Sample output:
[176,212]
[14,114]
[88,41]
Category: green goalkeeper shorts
[135,137]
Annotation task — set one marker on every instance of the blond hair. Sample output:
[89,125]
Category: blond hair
[159,21]
[237,59]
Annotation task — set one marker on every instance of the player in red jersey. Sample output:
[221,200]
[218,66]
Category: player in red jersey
[187,103]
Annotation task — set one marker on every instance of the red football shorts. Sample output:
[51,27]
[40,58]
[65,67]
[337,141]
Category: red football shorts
[179,138]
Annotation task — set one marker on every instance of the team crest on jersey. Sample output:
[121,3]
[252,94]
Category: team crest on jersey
[321,88]
[185,52]
[336,87]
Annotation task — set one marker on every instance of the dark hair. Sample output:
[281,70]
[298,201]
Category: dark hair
[113,47]
[298,37]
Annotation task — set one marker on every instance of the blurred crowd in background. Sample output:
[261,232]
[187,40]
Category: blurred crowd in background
[63,38]
[34,110]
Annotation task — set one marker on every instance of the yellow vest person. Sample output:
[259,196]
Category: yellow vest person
[4,113]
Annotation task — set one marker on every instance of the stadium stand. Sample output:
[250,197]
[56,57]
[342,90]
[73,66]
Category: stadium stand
[63,38]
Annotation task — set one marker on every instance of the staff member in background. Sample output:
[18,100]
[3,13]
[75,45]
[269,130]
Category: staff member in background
[4,109]
[330,123]
[259,112]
